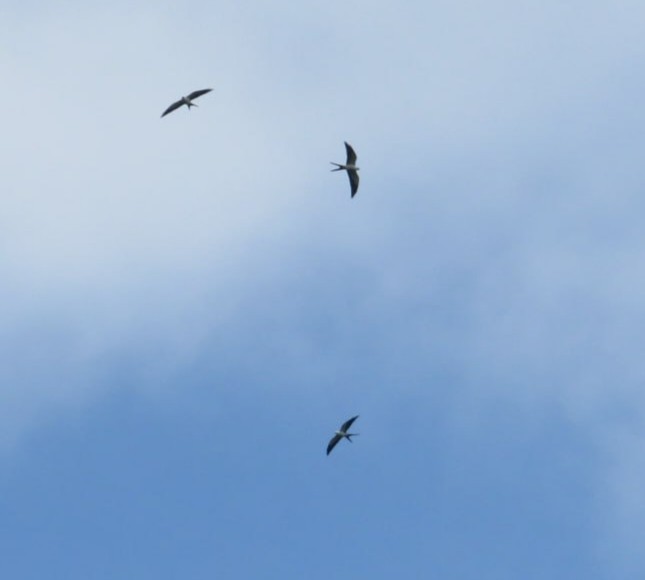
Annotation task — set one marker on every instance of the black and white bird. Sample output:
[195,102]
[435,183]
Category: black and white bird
[350,167]
[188,101]
[342,434]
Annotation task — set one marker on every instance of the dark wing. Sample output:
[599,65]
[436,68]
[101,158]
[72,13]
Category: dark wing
[347,424]
[196,94]
[351,154]
[353,180]
[172,107]
[332,443]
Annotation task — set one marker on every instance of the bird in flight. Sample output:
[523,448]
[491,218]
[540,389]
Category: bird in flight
[188,101]
[350,167]
[342,434]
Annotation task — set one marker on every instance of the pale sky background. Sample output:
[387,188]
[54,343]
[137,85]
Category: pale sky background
[191,306]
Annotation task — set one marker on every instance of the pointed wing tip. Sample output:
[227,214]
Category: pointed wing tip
[351,154]
[347,424]
[172,108]
[199,93]
[332,443]
[353,181]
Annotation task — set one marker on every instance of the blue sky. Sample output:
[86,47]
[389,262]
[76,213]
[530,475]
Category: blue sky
[192,305]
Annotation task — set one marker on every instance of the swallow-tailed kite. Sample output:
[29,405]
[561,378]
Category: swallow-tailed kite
[350,167]
[188,101]
[342,434]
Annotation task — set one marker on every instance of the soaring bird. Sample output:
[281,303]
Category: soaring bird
[188,101]
[350,167]
[342,434]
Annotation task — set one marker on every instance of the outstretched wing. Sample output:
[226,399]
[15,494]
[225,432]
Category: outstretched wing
[172,107]
[332,443]
[347,424]
[351,154]
[196,94]
[353,180]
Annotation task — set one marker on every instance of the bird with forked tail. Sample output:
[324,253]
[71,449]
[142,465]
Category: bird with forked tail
[188,101]
[350,167]
[342,434]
